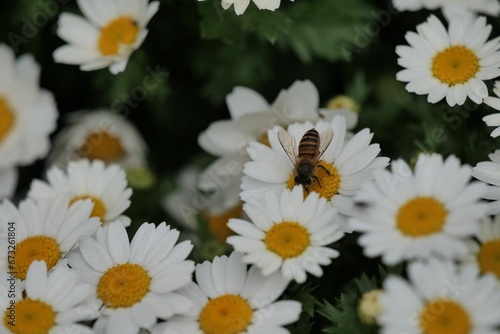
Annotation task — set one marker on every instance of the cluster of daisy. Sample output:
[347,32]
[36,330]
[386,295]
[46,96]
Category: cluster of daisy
[289,181]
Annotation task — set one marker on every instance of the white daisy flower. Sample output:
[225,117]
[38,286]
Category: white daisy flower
[450,8]
[440,297]
[135,282]
[342,169]
[45,230]
[494,102]
[51,303]
[241,5]
[112,30]
[288,234]
[105,186]
[251,117]
[8,182]
[102,135]
[486,252]
[489,172]
[230,299]
[28,114]
[451,64]
[421,214]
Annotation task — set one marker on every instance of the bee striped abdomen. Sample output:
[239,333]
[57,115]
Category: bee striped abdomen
[308,146]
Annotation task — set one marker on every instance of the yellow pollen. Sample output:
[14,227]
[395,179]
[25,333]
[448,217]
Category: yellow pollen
[7,118]
[123,285]
[489,257]
[329,182]
[264,139]
[226,314]
[120,32]
[455,65]
[287,239]
[421,216]
[441,316]
[31,316]
[103,146]
[99,209]
[217,224]
[39,248]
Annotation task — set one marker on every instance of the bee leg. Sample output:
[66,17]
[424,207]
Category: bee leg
[326,170]
[317,180]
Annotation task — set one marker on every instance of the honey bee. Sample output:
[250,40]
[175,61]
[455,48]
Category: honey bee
[311,148]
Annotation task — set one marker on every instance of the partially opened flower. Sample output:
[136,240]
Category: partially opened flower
[110,32]
[105,186]
[99,135]
[230,299]
[28,115]
[52,302]
[135,282]
[421,214]
[288,234]
[450,63]
[440,297]
[46,230]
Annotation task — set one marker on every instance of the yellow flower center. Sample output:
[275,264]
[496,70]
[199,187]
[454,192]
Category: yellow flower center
[103,146]
[99,209]
[455,65]
[217,224]
[226,314]
[31,316]
[442,316]
[326,181]
[120,32]
[489,257]
[39,248]
[421,216]
[123,285]
[287,239]
[7,118]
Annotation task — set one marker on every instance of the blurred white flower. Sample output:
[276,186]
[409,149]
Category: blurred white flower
[28,115]
[99,134]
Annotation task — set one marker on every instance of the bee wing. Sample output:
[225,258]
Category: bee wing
[325,138]
[287,141]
